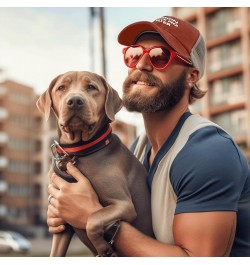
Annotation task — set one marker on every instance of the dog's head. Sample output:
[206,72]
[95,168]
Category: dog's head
[82,102]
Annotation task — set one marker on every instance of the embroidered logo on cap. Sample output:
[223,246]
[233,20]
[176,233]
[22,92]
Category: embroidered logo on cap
[169,21]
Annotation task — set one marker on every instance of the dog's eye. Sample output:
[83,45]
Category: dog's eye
[61,88]
[91,87]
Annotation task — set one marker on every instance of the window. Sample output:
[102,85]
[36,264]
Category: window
[225,20]
[214,60]
[37,190]
[227,91]
[20,98]
[37,146]
[224,56]
[21,167]
[233,122]
[37,168]
[18,190]
[19,144]
[17,213]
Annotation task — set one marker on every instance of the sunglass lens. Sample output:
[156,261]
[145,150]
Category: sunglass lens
[132,56]
[159,57]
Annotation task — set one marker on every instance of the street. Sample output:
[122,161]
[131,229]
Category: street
[40,247]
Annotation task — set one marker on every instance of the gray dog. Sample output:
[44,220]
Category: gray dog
[85,104]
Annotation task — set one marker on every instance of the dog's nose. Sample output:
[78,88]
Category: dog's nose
[75,102]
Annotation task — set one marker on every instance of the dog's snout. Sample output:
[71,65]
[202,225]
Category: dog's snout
[75,102]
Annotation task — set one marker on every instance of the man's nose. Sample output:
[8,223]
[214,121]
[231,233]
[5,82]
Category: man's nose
[144,63]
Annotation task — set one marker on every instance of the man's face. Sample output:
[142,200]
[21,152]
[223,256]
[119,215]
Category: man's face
[148,90]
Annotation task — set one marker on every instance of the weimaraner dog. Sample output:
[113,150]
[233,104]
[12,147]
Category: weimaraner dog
[85,105]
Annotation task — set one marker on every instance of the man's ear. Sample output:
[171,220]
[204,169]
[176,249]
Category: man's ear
[113,102]
[44,102]
[192,76]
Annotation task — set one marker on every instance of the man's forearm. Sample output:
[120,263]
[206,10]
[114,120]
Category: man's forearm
[130,242]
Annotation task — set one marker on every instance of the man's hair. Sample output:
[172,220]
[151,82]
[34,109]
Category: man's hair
[196,93]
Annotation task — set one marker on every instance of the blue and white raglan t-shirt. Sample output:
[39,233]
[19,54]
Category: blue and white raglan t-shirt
[198,169]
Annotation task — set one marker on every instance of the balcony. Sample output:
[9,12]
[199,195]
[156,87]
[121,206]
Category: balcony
[3,162]
[3,138]
[3,186]
[3,91]
[3,113]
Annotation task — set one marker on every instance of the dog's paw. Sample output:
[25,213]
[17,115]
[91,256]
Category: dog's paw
[108,252]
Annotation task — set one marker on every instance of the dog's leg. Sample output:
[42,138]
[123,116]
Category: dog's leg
[97,222]
[84,238]
[60,242]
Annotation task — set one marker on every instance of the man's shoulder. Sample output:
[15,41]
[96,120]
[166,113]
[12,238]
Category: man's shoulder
[210,149]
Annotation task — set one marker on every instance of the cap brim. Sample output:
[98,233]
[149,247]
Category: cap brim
[129,34]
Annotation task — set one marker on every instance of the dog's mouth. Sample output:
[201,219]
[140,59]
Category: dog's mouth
[76,127]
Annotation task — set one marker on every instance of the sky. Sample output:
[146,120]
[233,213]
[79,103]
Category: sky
[39,43]
[41,39]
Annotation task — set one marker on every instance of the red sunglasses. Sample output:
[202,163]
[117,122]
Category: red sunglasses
[159,57]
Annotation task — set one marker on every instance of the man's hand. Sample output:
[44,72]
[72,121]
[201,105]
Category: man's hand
[70,203]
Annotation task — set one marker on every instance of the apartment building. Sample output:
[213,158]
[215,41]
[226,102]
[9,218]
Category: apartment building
[20,156]
[227,77]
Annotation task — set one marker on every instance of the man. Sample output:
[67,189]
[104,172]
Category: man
[198,177]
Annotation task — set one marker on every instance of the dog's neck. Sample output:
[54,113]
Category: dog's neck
[82,148]
[64,153]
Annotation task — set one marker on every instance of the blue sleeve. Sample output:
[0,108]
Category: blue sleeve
[207,174]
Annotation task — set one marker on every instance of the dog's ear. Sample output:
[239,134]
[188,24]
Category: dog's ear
[44,102]
[113,102]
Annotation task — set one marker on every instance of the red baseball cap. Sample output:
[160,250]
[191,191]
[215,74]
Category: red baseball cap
[185,39]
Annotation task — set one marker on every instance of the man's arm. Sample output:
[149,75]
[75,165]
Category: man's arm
[195,234]
[207,234]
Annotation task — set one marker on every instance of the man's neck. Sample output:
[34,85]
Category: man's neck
[159,125]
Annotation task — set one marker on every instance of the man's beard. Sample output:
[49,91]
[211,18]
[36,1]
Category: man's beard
[166,98]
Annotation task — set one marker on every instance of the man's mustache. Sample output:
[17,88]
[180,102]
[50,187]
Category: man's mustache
[143,77]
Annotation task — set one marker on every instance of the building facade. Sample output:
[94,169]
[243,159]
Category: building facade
[227,78]
[20,156]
